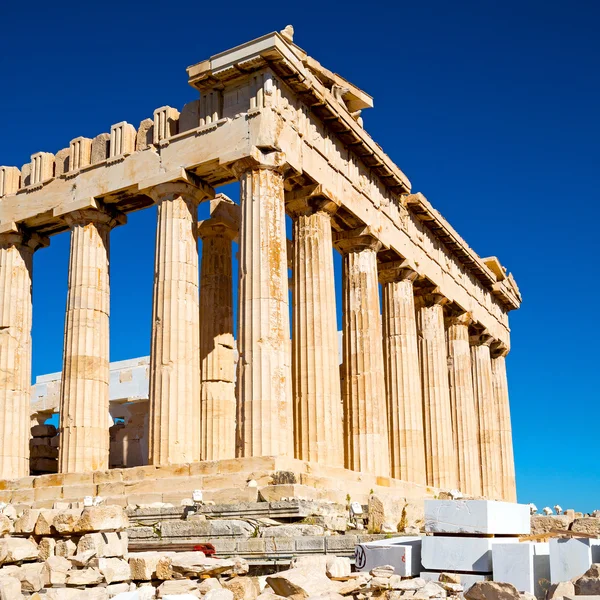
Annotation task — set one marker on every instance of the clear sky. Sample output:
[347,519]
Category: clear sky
[490,108]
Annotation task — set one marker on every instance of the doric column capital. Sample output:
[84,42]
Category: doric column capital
[258,159]
[194,193]
[356,240]
[429,297]
[100,216]
[499,349]
[12,234]
[311,199]
[482,338]
[217,227]
[462,318]
[398,270]
[224,219]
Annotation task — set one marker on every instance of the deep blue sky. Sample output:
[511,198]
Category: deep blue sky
[490,108]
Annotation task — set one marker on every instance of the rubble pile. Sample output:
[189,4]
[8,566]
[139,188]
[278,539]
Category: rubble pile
[81,553]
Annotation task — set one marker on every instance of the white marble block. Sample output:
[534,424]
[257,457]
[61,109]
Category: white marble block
[572,558]
[403,553]
[477,516]
[526,565]
[470,554]
[466,579]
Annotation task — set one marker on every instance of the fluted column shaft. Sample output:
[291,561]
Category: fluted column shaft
[440,456]
[500,384]
[175,346]
[84,395]
[16,264]
[318,422]
[464,411]
[265,418]
[402,377]
[366,427]
[489,418]
[217,360]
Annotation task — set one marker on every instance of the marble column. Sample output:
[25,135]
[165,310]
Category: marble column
[16,265]
[217,354]
[402,377]
[440,457]
[500,385]
[84,396]
[175,345]
[366,426]
[464,411]
[489,417]
[264,417]
[318,421]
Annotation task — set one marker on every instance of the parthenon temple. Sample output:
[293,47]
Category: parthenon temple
[418,392]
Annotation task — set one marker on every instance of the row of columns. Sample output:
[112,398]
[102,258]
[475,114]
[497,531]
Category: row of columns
[419,398]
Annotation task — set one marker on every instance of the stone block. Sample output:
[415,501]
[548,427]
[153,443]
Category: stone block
[466,579]
[571,558]
[26,522]
[109,544]
[229,495]
[80,152]
[526,565]
[10,588]
[77,492]
[477,516]
[10,180]
[589,525]
[275,493]
[301,583]
[23,497]
[109,476]
[310,544]
[122,139]
[43,431]
[42,167]
[403,553]
[113,569]
[143,565]
[340,543]
[470,554]
[14,550]
[102,518]
[291,530]
[545,523]
[45,494]
[165,123]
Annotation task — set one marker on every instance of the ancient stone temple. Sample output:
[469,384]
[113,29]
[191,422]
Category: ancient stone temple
[421,397]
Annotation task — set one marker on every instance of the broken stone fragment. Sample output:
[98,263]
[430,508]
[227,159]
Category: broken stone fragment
[14,550]
[102,518]
[383,571]
[46,547]
[212,583]
[492,590]
[66,520]
[65,548]
[397,583]
[559,590]
[10,588]
[243,588]
[430,590]
[113,569]
[589,583]
[84,577]
[301,583]
[339,567]
[55,570]
[143,565]
[45,522]
[26,522]
[186,586]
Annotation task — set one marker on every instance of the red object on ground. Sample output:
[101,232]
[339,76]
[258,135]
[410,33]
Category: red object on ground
[208,549]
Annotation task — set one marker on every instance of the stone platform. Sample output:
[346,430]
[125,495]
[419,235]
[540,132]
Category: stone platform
[265,479]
